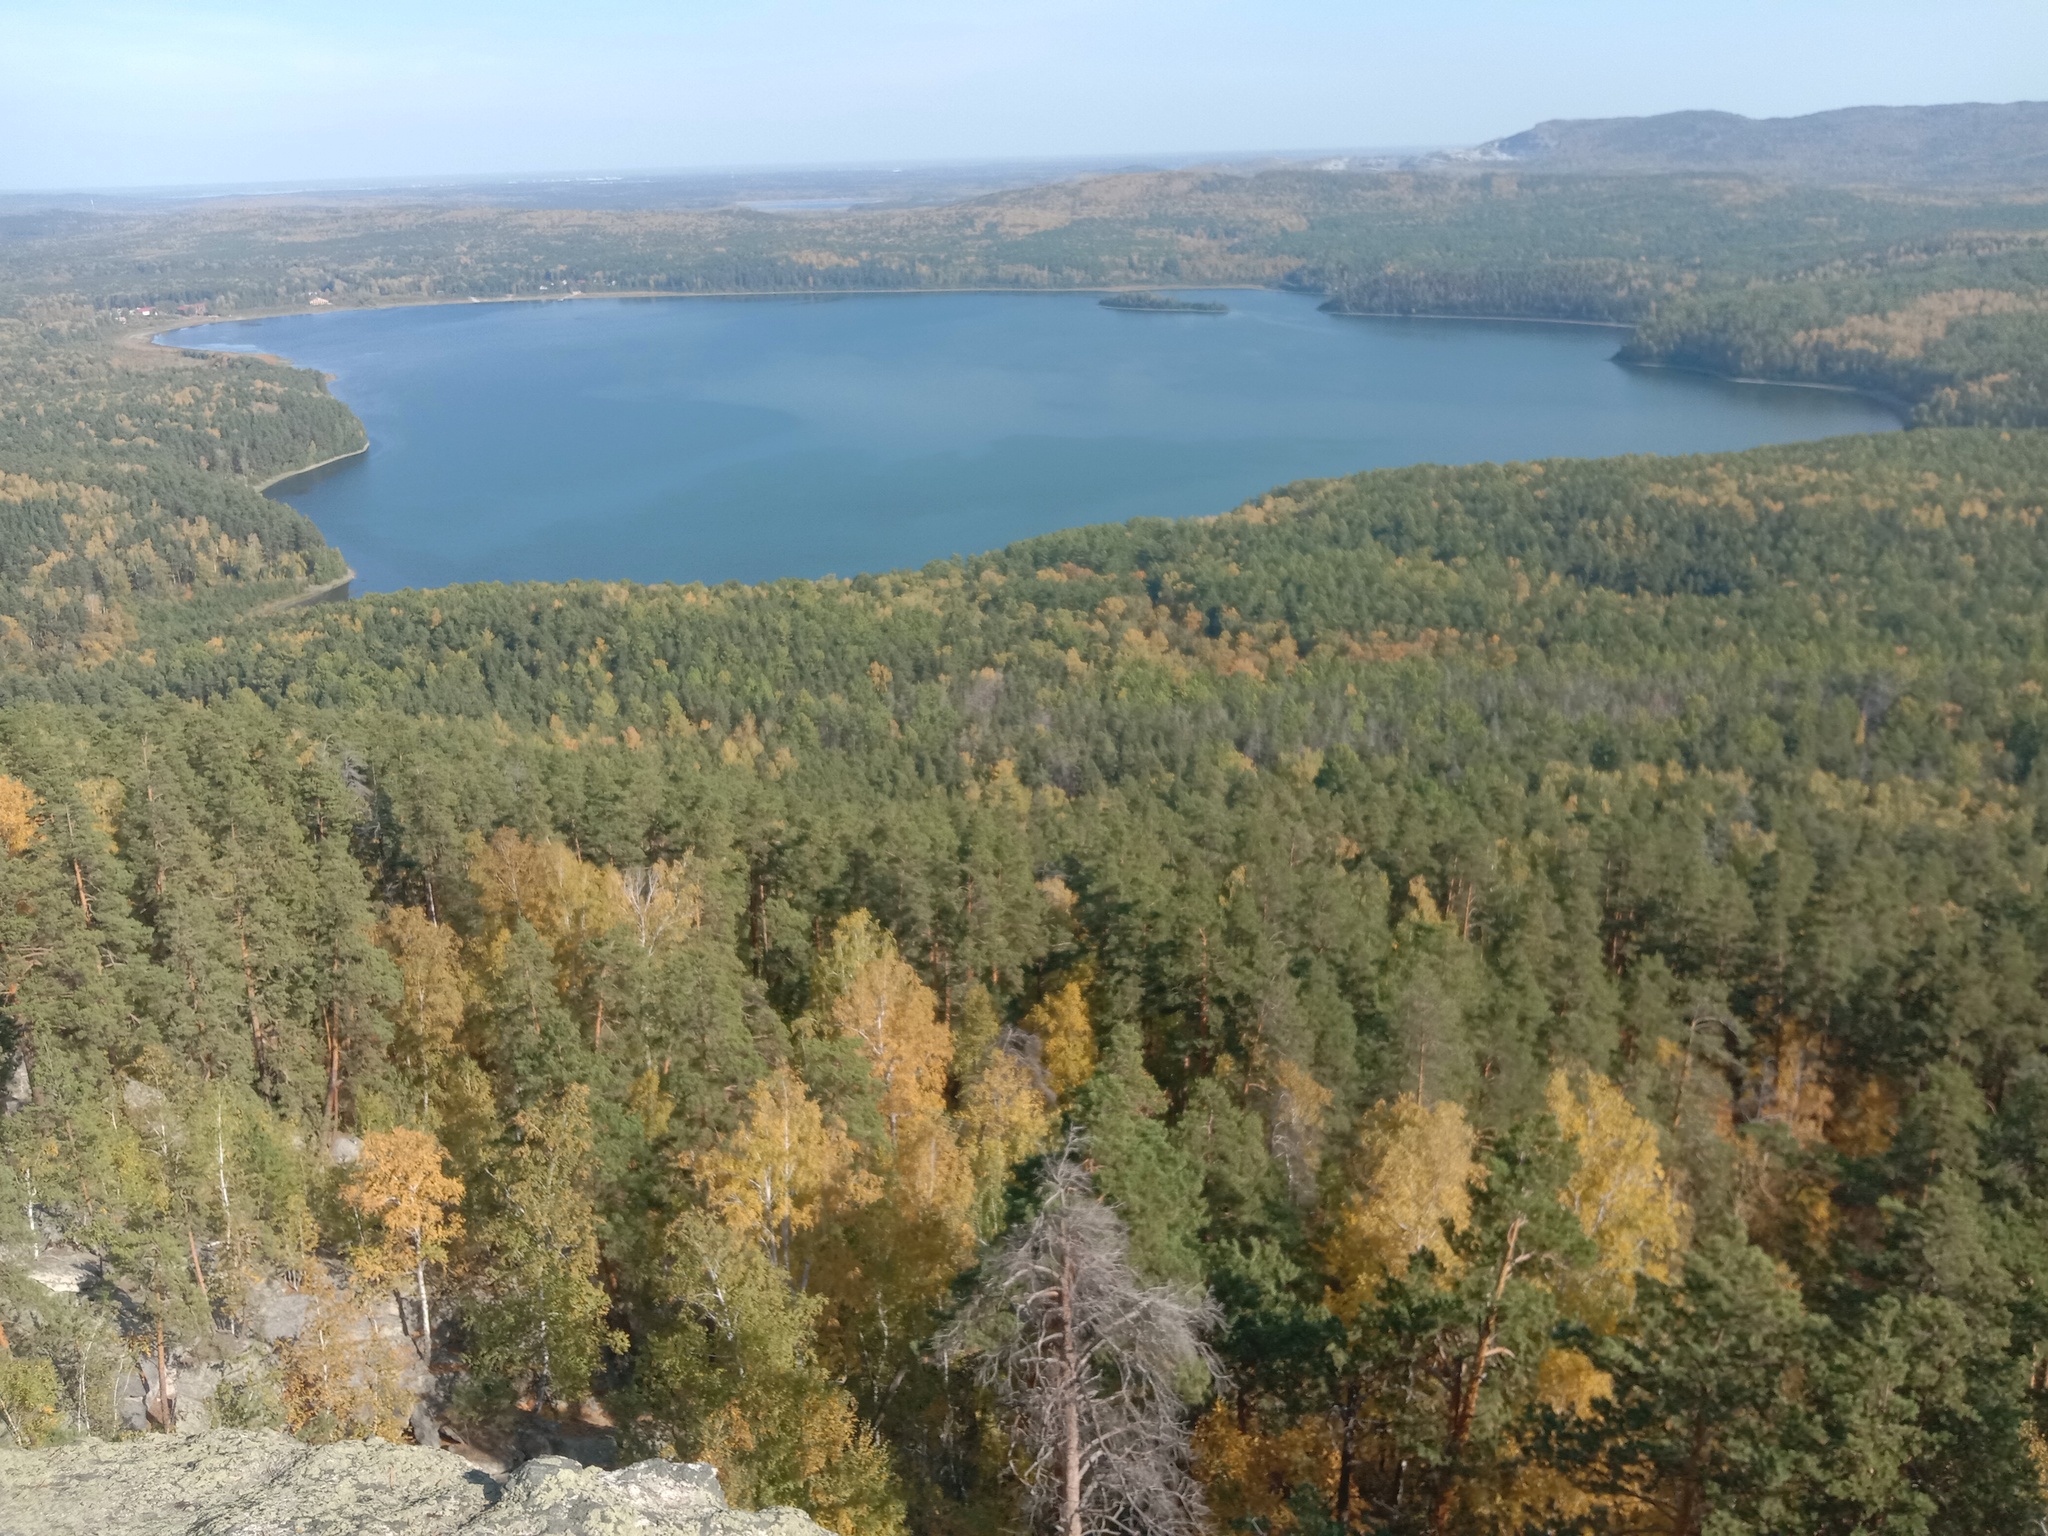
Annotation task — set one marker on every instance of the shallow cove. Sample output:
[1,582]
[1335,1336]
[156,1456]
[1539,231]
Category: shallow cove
[716,439]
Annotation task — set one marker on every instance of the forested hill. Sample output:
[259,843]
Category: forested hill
[128,501]
[1958,330]
[1857,546]
[1966,144]
[1581,918]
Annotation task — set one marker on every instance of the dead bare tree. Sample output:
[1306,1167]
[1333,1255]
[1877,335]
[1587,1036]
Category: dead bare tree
[1089,1365]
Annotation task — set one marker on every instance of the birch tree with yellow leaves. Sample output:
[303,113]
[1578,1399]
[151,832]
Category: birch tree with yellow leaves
[1406,1190]
[431,996]
[1619,1193]
[400,1184]
[780,1173]
[542,1319]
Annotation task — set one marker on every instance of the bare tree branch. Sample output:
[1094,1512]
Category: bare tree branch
[1089,1365]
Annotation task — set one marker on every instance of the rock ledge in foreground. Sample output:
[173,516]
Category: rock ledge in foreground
[253,1483]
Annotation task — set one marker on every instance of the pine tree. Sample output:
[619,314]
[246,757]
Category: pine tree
[1140,1169]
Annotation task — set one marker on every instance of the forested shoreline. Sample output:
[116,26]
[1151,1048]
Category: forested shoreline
[1735,274]
[1528,978]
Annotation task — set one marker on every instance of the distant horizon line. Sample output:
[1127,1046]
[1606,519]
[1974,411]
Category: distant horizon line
[1105,161]
[1135,161]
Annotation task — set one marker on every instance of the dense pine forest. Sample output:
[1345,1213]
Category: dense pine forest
[1505,999]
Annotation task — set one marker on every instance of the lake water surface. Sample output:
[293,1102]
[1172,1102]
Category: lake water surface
[708,439]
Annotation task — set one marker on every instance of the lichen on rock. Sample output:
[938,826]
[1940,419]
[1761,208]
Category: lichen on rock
[260,1483]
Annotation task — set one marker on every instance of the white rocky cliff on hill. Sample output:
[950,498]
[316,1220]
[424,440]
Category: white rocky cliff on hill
[260,1483]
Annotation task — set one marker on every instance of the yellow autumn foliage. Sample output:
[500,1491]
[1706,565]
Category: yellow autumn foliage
[399,1182]
[18,822]
[923,1233]
[782,1168]
[431,988]
[1061,1024]
[2036,1446]
[1250,1471]
[1619,1192]
[1524,1493]
[1406,1189]
[1004,1118]
[341,1371]
[893,1017]
[102,798]
[840,1463]
[666,900]
[1299,1107]
[649,1105]
[857,942]
[930,1167]
[1569,1384]
[566,900]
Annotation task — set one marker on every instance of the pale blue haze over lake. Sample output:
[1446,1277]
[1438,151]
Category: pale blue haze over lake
[706,439]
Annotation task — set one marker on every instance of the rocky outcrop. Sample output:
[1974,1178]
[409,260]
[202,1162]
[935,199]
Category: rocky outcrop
[250,1483]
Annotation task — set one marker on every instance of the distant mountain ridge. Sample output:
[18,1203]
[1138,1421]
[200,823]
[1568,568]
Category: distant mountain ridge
[1972,143]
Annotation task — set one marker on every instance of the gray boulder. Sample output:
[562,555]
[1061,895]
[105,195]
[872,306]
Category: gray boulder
[260,1483]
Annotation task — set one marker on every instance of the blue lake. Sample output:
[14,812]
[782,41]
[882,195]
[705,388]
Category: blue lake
[715,439]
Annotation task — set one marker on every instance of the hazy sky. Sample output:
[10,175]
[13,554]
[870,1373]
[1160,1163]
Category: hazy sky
[170,93]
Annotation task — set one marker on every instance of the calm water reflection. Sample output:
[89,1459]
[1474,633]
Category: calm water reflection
[712,439]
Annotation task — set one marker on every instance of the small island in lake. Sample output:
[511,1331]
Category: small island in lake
[1159,304]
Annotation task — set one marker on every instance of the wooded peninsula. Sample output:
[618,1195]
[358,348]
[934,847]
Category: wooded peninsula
[1499,999]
